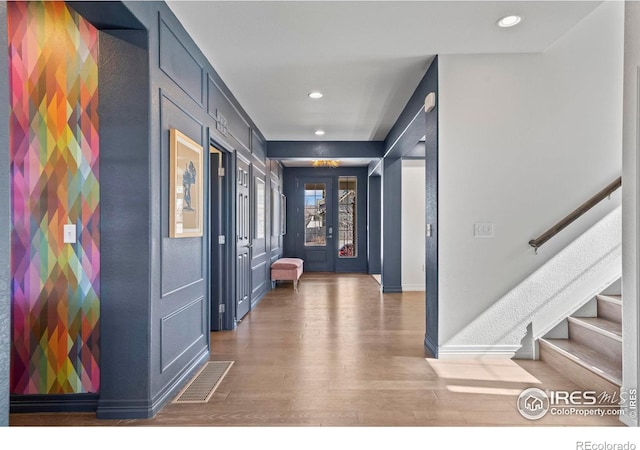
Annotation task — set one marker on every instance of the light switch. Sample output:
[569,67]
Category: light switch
[69,234]
[483,230]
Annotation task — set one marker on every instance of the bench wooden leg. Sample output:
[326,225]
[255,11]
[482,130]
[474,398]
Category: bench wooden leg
[295,285]
[273,284]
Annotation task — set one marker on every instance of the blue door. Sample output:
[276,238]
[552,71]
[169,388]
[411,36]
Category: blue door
[315,223]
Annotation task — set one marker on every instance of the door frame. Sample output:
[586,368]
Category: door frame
[221,256]
[293,191]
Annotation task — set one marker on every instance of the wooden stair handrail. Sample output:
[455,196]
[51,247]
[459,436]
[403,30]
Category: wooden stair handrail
[586,206]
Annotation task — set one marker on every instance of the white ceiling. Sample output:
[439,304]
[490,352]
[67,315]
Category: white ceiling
[366,57]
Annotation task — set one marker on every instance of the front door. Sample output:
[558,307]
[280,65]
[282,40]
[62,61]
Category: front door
[315,234]
[243,240]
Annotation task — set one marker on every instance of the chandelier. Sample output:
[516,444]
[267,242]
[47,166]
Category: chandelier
[333,163]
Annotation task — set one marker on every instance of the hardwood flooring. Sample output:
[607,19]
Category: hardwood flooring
[340,353]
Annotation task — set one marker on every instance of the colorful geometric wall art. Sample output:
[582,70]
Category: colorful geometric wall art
[54,148]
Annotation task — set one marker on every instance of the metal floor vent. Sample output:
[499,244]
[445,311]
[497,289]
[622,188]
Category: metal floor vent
[204,384]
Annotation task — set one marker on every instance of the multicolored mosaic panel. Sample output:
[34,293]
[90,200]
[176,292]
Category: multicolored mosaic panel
[53,57]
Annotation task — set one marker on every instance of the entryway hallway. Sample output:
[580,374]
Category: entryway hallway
[340,353]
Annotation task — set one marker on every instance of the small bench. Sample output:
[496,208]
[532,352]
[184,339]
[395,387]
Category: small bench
[286,269]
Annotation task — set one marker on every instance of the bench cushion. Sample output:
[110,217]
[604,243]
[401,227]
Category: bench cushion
[287,263]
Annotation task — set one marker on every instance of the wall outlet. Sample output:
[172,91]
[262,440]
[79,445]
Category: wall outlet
[483,230]
[69,234]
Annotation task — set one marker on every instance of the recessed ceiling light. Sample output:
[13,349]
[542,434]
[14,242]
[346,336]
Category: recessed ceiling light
[315,94]
[319,132]
[509,21]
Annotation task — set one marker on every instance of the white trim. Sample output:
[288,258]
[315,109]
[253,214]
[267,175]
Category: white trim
[413,287]
[477,351]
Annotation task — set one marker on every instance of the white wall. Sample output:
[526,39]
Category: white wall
[523,140]
[412,224]
[630,195]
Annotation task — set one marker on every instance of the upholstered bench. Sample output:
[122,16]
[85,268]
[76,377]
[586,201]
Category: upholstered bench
[286,269]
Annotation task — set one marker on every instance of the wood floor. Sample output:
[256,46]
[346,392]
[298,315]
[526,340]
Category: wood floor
[340,353]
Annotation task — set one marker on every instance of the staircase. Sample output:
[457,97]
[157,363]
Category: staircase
[587,346]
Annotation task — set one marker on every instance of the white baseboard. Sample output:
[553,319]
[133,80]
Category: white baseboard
[412,287]
[477,351]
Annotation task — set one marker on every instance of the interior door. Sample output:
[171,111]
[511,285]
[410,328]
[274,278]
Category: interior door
[259,258]
[315,234]
[243,241]
[216,229]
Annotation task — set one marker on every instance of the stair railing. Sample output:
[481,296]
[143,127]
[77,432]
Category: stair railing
[586,206]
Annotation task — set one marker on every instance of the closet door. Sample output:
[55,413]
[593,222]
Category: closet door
[243,239]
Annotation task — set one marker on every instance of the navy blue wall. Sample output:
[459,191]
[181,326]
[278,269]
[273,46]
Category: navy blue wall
[5,218]
[400,142]
[155,317]
[409,128]
[294,200]
[183,92]
[375,224]
[124,188]
[391,230]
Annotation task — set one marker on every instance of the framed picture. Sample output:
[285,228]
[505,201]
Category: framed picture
[276,229]
[283,215]
[186,208]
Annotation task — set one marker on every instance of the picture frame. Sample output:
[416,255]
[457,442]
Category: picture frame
[186,194]
[283,215]
[276,199]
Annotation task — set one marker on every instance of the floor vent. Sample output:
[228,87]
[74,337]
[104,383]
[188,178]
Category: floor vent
[204,384]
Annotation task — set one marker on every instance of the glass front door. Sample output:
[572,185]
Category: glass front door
[315,235]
